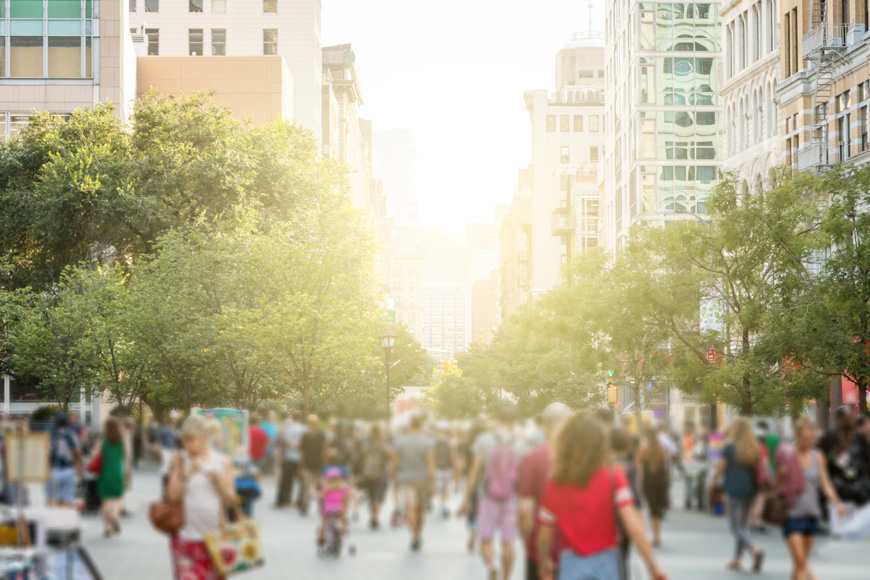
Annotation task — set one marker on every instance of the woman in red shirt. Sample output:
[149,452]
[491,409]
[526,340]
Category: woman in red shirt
[583,498]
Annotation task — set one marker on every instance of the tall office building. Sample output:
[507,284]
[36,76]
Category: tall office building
[210,28]
[567,142]
[514,248]
[63,55]
[751,71]
[395,163]
[447,318]
[663,108]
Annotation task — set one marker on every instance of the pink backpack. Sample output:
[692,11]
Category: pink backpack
[791,482]
[501,470]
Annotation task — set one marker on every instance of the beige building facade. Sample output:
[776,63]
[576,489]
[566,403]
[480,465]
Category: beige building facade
[515,246]
[258,88]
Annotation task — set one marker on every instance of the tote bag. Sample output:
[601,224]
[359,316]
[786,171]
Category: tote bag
[235,547]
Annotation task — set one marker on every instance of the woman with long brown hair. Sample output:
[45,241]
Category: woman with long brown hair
[111,479]
[586,497]
[740,457]
[653,472]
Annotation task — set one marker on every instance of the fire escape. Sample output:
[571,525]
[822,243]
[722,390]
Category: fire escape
[823,48]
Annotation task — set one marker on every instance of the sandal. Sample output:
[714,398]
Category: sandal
[734,565]
[758,561]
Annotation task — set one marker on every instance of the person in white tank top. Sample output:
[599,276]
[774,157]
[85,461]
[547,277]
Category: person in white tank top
[202,479]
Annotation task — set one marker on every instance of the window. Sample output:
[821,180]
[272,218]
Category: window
[601,74]
[218,41]
[194,6]
[593,153]
[195,41]
[565,155]
[586,74]
[270,41]
[2,74]
[551,123]
[578,123]
[25,56]
[65,56]
[270,6]
[593,123]
[563,124]
[153,35]
[219,6]
[152,5]
[132,5]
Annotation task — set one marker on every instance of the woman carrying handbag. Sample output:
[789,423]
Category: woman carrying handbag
[201,481]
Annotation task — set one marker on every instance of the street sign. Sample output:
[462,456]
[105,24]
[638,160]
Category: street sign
[389,316]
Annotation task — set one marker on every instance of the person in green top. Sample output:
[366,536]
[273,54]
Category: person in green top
[111,479]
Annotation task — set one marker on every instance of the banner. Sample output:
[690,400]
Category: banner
[232,437]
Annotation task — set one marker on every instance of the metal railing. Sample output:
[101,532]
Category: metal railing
[830,36]
[810,157]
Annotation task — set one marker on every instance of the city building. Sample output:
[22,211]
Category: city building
[286,28]
[343,129]
[515,244]
[484,308]
[63,55]
[395,163]
[447,319]
[481,246]
[567,143]
[825,87]
[258,88]
[662,150]
[752,139]
[406,280]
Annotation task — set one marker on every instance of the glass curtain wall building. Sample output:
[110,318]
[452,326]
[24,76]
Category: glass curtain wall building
[51,39]
[662,112]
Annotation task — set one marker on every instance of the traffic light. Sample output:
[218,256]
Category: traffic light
[612,395]
[610,373]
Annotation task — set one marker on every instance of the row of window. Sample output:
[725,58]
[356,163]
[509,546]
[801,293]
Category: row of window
[565,154]
[217,6]
[51,9]
[565,125]
[197,41]
[45,57]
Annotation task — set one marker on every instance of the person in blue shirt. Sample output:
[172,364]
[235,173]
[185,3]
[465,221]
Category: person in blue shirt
[270,426]
[65,462]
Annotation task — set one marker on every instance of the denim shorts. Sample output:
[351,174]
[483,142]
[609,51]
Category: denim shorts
[803,525]
[61,485]
[604,565]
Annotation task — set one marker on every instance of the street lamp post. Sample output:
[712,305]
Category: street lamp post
[388,341]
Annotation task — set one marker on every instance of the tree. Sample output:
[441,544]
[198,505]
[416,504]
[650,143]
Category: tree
[834,320]
[746,260]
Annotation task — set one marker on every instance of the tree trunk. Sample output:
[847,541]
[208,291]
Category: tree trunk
[746,387]
[862,397]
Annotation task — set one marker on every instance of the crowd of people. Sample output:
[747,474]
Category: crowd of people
[579,490]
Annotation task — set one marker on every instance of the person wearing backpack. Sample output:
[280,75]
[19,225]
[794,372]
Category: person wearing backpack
[377,456]
[497,456]
[444,465]
[65,463]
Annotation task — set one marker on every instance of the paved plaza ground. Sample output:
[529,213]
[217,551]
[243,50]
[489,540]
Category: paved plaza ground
[697,546]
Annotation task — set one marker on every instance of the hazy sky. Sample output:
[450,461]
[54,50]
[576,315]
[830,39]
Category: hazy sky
[454,72]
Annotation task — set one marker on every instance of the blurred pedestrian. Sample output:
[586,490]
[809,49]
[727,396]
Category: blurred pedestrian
[653,472]
[585,499]
[291,457]
[477,429]
[497,457]
[534,471]
[804,508]
[270,426]
[258,442]
[167,443]
[65,463]
[847,465]
[625,456]
[415,476]
[111,478]
[202,479]
[376,466]
[444,466]
[740,458]
[313,448]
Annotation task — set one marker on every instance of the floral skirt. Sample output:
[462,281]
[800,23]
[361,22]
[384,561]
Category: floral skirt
[192,560]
